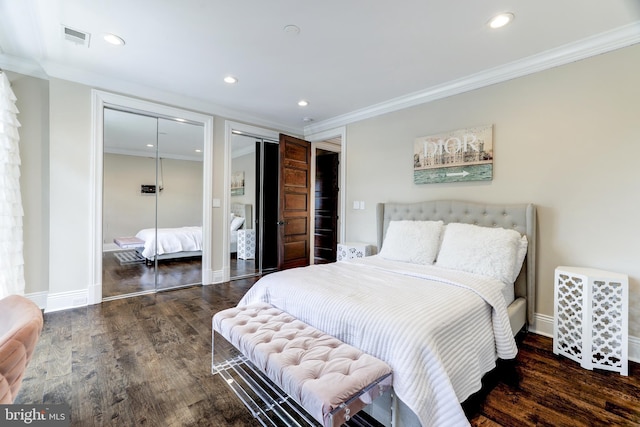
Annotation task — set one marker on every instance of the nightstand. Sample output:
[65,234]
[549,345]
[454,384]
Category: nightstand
[591,318]
[354,250]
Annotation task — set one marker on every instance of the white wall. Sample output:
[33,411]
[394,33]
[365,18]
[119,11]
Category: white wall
[566,139]
[126,210]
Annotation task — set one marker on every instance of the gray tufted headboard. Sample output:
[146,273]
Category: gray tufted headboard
[243,210]
[520,217]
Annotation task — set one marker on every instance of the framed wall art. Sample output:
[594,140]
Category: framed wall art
[456,156]
[237,183]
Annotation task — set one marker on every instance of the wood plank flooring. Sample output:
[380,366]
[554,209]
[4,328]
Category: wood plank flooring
[146,361]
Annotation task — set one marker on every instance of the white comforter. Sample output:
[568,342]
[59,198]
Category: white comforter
[170,240]
[440,330]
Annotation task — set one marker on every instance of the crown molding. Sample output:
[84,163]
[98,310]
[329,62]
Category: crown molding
[22,66]
[595,45]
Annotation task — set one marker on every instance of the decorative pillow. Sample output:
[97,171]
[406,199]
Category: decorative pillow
[236,223]
[412,241]
[481,250]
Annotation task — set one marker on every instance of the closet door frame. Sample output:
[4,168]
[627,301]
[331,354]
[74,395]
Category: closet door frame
[100,100]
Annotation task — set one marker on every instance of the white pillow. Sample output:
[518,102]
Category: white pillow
[236,223]
[412,241]
[521,253]
[486,251]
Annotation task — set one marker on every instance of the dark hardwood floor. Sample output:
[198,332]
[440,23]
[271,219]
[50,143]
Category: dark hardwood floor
[146,361]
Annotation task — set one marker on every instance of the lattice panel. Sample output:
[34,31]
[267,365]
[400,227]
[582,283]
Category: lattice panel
[607,321]
[354,250]
[246,244]
[591,319]
[569,297]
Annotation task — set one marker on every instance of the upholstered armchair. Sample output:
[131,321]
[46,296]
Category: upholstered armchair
[20,326]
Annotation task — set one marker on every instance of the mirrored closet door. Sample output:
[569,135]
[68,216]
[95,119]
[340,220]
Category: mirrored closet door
[152,203]
[254,205]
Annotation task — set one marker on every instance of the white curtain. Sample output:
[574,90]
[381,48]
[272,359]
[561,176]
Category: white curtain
[11,242]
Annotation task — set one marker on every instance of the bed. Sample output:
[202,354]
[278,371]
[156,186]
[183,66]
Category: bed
[181,242]
[170,243]
[421,304]
[240,218]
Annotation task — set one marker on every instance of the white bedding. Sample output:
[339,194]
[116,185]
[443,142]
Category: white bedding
[233,241]
[170,240]
[440,330]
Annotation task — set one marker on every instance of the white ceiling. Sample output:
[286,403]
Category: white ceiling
[351,59]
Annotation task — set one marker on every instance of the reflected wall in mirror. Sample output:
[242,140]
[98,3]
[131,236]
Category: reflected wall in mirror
[152,203]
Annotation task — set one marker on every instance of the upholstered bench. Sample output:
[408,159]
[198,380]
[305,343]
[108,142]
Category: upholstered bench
[328,378]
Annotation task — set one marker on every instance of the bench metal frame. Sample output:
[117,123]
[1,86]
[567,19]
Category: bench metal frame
[269,404]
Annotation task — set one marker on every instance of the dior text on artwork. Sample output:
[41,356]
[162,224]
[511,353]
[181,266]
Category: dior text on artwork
[455,156]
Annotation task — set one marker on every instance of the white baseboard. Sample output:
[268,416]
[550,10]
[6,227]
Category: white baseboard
[543,325]
[213,276]
[634,349]
[40,298]
[66,300]
[217,276]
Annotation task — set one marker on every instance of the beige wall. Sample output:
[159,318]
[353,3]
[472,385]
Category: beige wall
[33,103]
[126,210]
[246,164]
[70,160]
[566,139]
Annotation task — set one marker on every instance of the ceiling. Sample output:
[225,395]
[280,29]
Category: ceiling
[350,59]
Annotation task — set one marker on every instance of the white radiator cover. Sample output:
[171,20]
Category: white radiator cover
[591,318]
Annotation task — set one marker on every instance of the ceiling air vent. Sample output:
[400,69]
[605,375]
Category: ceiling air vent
[75,36]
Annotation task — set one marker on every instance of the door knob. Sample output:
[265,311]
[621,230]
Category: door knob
[280,222]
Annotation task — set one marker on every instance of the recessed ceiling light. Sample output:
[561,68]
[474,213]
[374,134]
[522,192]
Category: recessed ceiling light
[501,20]
[114,40]
[198,151]
[307,119]
[303,103]
[230,79]
[149,145]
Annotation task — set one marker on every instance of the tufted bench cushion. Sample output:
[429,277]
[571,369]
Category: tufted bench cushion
[318,371]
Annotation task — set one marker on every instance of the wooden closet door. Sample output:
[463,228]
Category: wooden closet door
[294,223]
